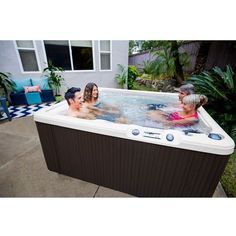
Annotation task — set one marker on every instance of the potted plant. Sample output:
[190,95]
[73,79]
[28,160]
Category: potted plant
[54,78]
[6,84]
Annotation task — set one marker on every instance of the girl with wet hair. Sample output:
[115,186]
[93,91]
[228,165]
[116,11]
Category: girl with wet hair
[91,93]
[190,105]
[102,110]
[187,116]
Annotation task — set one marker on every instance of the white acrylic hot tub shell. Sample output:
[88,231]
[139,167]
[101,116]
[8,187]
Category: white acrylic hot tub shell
[54,115]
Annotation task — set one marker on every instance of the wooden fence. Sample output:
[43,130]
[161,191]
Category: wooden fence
[220,53]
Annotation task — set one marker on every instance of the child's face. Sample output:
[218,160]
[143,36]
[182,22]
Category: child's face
[188,107]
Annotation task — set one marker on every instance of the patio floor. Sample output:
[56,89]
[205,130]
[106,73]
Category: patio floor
[23,171]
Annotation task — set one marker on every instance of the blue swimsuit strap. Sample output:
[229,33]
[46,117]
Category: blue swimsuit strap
[97,104]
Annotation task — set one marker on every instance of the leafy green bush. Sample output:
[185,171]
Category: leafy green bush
[220,88]
[165,63]
[6,84]
[54,78]
[121,78]
[132,75]
[164,66]
[127,75]
[146,77]
[148,67]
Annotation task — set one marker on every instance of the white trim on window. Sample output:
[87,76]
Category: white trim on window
[71,58]
[37,56]
[44,54]
[19,59]
[93,55]
[107,52]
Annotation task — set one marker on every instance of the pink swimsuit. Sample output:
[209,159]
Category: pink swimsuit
[177,116]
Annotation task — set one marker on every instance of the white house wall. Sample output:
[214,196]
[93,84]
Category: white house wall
[9,63]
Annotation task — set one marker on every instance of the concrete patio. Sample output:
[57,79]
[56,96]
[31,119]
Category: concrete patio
[23,171]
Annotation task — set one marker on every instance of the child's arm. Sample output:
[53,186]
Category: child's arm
[157,115]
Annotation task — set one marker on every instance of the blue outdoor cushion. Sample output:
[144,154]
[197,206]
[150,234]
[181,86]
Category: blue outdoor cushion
[20,83]
[33,98]
[42,82]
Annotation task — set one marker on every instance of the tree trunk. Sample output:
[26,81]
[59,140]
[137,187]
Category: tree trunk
[179,75]
[202,57]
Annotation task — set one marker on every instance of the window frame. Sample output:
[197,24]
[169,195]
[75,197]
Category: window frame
[71,58]
[28,49]
[99,53]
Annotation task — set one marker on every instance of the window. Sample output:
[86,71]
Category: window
[70,55]
[27,55]
[105,54]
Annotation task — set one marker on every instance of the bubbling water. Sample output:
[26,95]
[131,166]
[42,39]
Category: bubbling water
[134,108]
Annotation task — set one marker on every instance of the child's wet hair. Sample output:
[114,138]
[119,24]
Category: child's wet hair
[196,100]
[88,91]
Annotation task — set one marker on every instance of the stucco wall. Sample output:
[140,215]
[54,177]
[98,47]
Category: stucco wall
[9,63]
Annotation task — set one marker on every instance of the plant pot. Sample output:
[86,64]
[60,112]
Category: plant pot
[58,98]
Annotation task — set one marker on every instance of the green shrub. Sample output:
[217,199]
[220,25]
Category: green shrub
[164,66]
[6,84]
[228,179]
[121,78]
[54,78]
[220,88]
[148,67]
[132,75]
[126,75]
[146,77]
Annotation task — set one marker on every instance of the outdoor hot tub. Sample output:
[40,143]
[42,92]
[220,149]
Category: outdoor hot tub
[139,159]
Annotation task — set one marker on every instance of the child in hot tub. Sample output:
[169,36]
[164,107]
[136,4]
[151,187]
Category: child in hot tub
[187,116]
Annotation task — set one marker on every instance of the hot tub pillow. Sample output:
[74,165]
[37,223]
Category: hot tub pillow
[29,89]
[20,83]
[42,82]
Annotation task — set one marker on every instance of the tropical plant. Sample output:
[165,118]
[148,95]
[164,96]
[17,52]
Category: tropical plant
[132,75]
[168,62]
[148,67]
[54,78]
[220,88]
[6,83]
[164,64]
[122,77]
[127,75]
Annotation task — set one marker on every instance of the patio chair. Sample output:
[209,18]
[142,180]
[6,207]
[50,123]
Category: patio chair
[3,107]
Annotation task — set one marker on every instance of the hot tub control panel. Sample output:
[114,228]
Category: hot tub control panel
[149,134]
[153,135]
